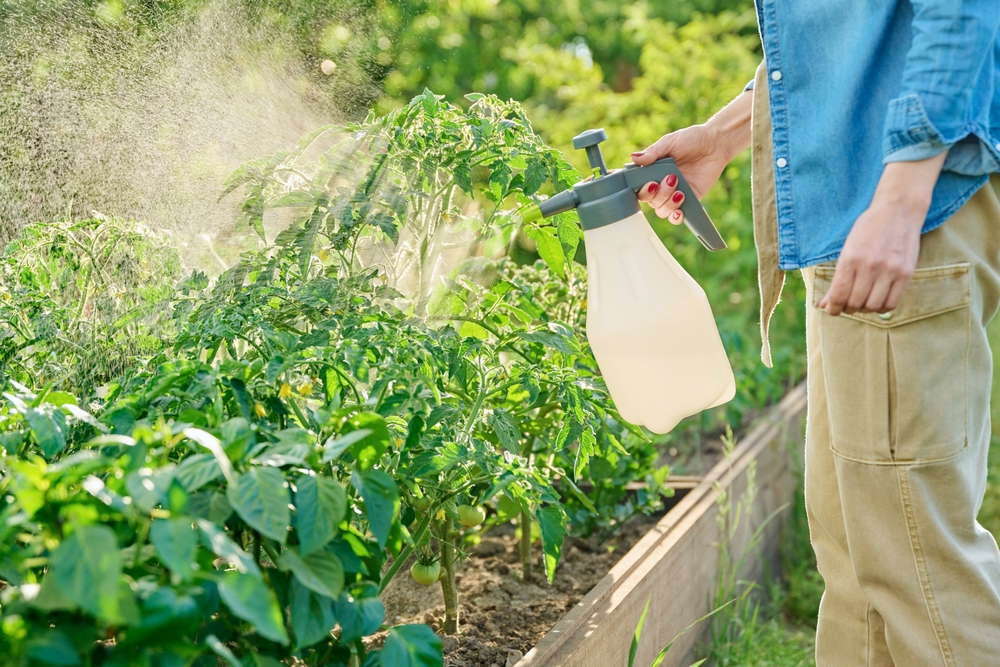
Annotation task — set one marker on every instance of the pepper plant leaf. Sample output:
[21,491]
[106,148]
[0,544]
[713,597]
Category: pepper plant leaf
[261,497]
[252,600]
[320,504]
[411,646]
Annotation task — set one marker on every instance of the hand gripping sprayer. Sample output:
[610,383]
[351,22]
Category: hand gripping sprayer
[649,323]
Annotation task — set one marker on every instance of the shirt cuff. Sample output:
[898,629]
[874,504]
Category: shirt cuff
[909,133]
[749,86]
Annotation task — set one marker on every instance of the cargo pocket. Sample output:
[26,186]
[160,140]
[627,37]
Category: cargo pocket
[896,382]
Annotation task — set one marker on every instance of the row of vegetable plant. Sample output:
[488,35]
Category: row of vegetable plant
[233,469]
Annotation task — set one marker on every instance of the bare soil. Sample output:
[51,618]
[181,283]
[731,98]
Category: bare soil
[501,617]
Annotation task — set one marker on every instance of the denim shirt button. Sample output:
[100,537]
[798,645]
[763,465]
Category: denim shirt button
[776,75]
[782,163]
[997,146]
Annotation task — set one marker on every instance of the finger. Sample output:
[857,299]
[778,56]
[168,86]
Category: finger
[665,193]
[861,288]
[648,190]
[877,297]
[672,208]
[677,217]
[896,293]
[657,150]
[840,289]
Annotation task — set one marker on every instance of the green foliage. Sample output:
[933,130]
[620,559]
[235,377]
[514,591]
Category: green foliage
[85,558]
[82,303]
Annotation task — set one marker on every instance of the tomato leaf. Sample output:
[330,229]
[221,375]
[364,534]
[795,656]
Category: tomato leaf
[506,429]
[552,522]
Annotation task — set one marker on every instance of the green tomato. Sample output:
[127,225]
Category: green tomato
[470,516]
[421,504]
[425,574]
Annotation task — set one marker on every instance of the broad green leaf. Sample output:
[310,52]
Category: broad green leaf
[48,425]
[336,446]
[196,471]
[549,248]
[212,444]
[369,449]
[53,648]
[358,617]
[260,496]
[223,651]
[60,398]
[148,487]
[252,600]
[381,497]
[311,614]
[320,504]
[165,612]
[176,544]
[222,546]
[86,569]
[508,433]
[211,505]
[283,454]
[552,522]
[412,646]
[320,572]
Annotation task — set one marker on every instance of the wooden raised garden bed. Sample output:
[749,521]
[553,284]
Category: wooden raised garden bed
[675,564]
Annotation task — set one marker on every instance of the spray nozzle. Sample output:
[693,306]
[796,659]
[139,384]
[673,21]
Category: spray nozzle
[612,196]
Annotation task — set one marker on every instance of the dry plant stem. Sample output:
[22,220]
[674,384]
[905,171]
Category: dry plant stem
[526,566]
[446,536]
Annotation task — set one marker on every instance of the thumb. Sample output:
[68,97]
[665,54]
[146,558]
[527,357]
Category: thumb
[662,148]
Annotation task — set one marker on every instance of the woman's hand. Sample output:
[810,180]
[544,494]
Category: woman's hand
[701,153]
[880,254]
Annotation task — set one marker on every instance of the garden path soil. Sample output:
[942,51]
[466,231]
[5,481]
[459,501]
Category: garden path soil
[501,617]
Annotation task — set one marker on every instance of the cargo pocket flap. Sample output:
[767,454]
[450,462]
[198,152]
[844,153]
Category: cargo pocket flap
[932,291]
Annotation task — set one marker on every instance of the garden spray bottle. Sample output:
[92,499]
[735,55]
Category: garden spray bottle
[648,322]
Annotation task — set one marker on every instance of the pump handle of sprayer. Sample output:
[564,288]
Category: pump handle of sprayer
[695,216]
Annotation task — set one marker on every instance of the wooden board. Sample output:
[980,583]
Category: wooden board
[675,564]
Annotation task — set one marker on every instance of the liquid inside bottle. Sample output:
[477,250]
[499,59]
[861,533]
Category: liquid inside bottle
[651,328]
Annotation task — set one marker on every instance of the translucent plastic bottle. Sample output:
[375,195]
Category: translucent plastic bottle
[651,328]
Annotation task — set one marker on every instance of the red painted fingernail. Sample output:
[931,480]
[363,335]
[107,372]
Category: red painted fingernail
[653,187]
[671,180]
[638,153]
[676,215]
[678,196]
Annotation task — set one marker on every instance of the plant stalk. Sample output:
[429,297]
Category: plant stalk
[526,565]
[448,585]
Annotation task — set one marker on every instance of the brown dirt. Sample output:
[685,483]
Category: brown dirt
[501,617]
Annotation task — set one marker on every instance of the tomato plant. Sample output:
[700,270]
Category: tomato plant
[336,402]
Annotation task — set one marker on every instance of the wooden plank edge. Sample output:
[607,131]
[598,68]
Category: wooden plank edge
[767,428]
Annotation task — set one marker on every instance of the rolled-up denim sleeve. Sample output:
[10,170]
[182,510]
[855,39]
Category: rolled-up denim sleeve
[951,42]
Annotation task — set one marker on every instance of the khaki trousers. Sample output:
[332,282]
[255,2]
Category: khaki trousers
[897,435]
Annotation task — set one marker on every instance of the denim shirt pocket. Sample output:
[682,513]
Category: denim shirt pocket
[897,382]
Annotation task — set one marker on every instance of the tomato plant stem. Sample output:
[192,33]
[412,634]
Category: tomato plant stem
[448,585]
[526,573]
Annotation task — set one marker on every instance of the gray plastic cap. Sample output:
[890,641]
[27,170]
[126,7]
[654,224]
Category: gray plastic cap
[589,138]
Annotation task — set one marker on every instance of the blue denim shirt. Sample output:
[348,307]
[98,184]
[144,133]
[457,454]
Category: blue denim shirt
[855,85]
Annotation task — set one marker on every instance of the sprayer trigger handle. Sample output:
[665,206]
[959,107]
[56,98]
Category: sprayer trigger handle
[695,217]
